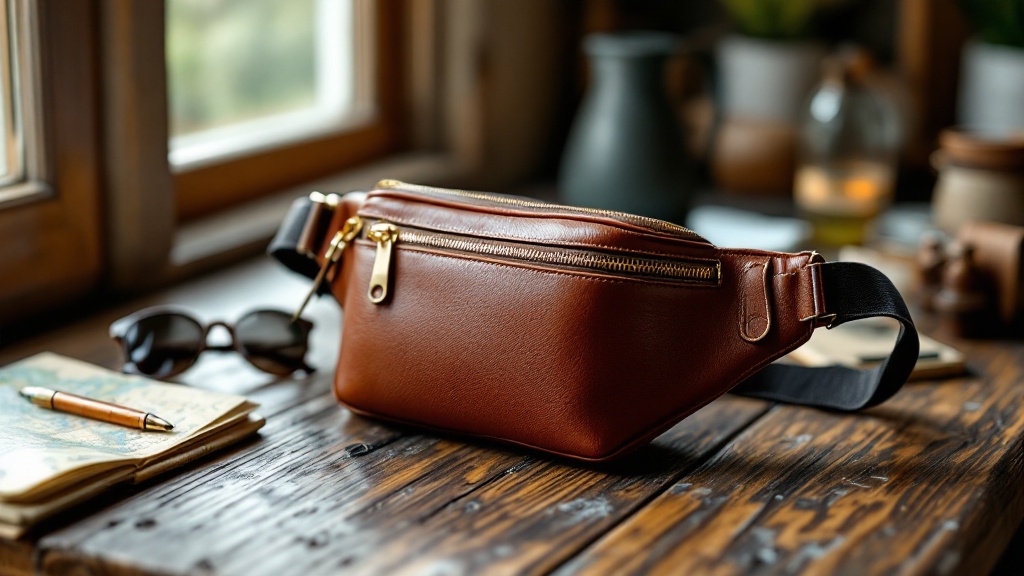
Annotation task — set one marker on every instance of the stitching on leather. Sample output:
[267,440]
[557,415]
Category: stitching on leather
[818,293]
[767,300]
[751,253]
[799,270]
[813,297]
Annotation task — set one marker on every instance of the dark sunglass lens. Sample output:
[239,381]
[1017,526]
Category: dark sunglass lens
[163,345]
[272,342]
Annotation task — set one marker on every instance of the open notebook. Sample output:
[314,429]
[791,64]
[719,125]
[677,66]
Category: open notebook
[866,343]
[50,460]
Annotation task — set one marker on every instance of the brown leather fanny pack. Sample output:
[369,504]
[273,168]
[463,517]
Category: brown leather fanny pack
[581,332]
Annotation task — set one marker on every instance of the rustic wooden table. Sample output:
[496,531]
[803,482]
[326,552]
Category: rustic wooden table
[928,483]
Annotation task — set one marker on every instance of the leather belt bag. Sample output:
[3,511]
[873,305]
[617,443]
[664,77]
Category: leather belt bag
[576,331]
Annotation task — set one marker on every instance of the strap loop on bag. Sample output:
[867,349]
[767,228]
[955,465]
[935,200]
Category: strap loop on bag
[284,246]
[852,291]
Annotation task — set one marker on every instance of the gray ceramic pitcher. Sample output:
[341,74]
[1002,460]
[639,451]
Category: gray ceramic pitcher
[626,150]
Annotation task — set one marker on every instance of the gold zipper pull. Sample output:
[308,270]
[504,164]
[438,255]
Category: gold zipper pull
[341,238]
[385,235]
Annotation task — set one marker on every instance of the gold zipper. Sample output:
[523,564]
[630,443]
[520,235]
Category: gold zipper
[644,221]
[386,235]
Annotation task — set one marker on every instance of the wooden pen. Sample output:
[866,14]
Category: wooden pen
[95,409]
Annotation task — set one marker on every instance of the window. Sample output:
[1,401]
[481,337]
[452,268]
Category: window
[251,74]
[83,91]
[50,249]
[264,94]
[100,185]
[11,142]
[20,164]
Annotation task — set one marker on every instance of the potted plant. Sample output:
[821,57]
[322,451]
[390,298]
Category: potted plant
[991,95]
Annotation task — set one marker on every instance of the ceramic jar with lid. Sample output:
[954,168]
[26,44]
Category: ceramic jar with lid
[981,177]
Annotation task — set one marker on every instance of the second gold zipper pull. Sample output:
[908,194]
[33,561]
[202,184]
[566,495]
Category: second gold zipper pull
[348,231]
[385,235]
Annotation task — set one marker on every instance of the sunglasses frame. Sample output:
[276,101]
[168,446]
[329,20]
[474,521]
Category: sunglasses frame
[119,329]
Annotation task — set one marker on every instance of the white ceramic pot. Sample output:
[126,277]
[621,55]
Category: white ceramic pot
[767,80]
[981,177]
[763,87]
[964,194]
[991,87]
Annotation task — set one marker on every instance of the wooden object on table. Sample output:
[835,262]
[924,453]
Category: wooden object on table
[980,178]
[999,251]
[931,258]
[965,297]
[925,483]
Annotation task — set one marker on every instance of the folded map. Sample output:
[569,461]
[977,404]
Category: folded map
[51,460]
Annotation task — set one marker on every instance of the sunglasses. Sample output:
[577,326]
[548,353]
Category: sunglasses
[164,342]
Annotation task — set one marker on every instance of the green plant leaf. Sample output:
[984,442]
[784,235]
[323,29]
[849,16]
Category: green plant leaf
[774,19]
[997,21]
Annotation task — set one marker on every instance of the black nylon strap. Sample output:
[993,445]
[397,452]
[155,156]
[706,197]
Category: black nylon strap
[852,291]
[283,246]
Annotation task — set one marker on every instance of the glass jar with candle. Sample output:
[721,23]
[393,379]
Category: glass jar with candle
[848,145]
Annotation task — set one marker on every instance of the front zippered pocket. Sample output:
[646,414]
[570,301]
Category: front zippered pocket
[689,271]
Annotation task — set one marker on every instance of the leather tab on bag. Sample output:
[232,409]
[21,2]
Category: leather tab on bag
[811,297]
[755,310]
[313,230]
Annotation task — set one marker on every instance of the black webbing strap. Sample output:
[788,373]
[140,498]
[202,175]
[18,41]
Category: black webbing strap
[852,292]
[283,246]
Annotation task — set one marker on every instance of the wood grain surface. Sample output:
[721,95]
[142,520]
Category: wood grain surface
[337,491]
[927,483]
[920,485]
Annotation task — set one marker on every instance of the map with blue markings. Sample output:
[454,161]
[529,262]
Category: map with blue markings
[38,445]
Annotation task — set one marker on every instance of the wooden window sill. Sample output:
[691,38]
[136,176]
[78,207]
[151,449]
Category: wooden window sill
[227,236]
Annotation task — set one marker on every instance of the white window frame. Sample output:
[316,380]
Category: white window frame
[338,106]
[21,117]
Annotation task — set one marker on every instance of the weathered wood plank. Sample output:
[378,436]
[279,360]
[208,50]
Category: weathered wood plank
[298,503]
[929,483]
[225,295]
[15,558]
[536,516]
[285,495]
